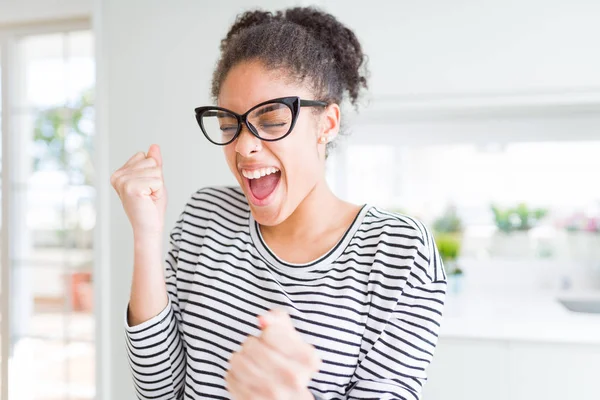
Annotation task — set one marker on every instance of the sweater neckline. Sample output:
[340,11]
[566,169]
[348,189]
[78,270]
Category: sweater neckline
[326,259]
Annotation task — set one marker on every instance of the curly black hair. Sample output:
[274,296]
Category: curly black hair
[311,45]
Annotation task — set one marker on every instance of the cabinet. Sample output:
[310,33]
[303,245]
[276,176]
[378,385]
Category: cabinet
[554,371]
[465,369]
[468,369]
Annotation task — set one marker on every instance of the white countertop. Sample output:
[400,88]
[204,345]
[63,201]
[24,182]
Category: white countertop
[516,316]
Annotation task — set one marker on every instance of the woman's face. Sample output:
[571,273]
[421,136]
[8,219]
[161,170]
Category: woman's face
[275,176]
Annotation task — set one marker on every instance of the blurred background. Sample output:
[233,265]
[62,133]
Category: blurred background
[482,120]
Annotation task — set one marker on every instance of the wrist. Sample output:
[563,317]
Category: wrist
[147,237]
[147,248]
[306,395]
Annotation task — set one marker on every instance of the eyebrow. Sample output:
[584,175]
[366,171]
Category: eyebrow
[218,114]
[263,110]
[267,108]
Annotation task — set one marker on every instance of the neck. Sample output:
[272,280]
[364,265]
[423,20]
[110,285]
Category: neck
[315,214]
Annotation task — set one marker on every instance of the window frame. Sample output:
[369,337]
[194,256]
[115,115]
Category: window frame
[9,35]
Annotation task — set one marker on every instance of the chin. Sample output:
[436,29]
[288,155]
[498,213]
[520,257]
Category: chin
[266,218]
[271,214]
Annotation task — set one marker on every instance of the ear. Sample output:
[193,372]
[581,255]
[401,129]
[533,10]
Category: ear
[331,123]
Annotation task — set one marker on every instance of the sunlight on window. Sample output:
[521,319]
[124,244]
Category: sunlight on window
[520,200]
[52,334]
[52,78]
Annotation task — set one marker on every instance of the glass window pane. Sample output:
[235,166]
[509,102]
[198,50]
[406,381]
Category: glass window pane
[518,201]
[80,324]
[80,64]
[373,172]
[53,206]
[81,371]
[52,370]
[44,79]
[39,301]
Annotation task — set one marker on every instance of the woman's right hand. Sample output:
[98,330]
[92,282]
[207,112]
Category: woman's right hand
[140,186]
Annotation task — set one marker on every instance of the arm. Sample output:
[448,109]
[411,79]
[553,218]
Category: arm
[154,347]
[394,366]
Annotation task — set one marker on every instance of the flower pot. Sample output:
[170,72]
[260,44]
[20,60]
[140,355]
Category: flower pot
[455,283]
[584,246]
[511,245]
[82,293]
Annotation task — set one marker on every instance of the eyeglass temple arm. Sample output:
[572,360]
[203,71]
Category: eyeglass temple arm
[312,103]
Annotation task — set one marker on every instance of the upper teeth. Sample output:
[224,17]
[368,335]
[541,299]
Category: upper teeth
[259,173]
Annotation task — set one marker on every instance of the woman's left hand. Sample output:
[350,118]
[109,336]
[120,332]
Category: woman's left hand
[278,365]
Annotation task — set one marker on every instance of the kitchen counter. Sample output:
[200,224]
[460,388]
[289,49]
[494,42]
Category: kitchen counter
[517,316]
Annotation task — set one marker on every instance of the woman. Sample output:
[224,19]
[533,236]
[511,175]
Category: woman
[278,289]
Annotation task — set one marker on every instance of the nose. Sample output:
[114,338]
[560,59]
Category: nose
[247,144]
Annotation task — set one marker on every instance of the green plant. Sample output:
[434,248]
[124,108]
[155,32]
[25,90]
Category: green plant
[518,218]
[453,269]
[448,245]
[448,222]
[447,229]
[63,138]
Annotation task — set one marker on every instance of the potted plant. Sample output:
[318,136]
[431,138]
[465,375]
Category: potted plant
[448,222]
[513,225]
[448,245]
[82,290]
[583,233]
[448,237]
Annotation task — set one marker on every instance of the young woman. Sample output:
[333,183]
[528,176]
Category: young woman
[277,289]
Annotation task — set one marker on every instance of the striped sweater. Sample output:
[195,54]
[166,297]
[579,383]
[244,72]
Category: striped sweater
[371,306]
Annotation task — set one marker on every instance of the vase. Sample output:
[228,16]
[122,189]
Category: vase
[511,245]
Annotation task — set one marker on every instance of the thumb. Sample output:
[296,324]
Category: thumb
[279,333]
[154,152]
[274,317]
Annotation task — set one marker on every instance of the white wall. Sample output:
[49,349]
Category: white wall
[459,47]
[28,11]
[155,61]
[154,67]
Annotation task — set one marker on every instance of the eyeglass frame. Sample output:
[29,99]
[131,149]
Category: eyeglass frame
[294,103]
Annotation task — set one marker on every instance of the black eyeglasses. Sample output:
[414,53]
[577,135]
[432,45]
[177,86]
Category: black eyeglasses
[269,121]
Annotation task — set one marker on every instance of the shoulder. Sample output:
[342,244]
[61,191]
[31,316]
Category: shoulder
[409,230]
[406,238]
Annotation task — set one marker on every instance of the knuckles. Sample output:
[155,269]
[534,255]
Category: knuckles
[270,392]
[292,378]
[123,181]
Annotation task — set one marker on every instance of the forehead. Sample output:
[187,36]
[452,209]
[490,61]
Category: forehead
[250,83]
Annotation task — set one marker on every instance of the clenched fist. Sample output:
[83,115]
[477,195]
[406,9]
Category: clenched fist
[277,365]
[140,186]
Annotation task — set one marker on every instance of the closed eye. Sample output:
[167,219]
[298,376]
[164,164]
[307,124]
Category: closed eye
[228,130]
[273,125]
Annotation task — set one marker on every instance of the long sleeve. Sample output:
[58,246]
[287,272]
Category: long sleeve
[395,363]
[155,348]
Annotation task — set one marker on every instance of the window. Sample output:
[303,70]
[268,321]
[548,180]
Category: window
[498,208]
[52,215]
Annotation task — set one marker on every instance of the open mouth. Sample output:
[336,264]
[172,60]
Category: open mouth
[262,182]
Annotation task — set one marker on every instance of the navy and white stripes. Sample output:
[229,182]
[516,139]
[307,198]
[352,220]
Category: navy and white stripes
[371,306]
